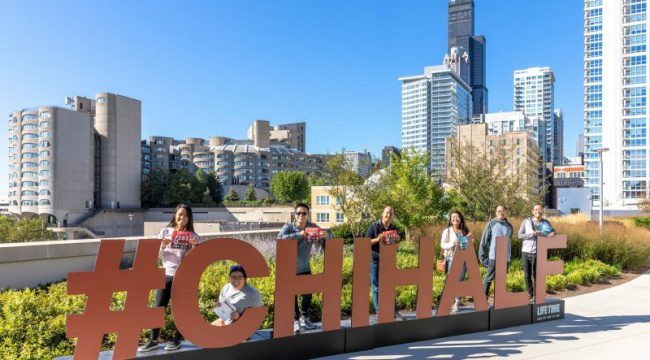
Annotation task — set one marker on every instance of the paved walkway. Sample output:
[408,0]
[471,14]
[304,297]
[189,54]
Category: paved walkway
[609,324]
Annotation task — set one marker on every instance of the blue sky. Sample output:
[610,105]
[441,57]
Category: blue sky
[208,68]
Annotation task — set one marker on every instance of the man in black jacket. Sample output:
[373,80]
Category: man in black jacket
[376,232]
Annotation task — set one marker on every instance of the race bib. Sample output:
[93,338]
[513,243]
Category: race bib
[181,240]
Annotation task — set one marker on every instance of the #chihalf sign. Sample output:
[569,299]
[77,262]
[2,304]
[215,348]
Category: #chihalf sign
[107,278]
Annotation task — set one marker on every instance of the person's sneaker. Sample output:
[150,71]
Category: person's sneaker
[305,323]
[173,345]
[399,317]
[149,346]
[454,308]
[296,327]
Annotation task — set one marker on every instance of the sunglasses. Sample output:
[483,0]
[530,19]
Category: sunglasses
[301,213]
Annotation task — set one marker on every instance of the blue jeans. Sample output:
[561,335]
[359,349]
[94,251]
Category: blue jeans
[462,273]
[374,284]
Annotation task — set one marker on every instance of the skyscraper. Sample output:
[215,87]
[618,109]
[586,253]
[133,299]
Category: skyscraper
[558,135]
[616,100]
[461,36]
[534,95]
[433,105]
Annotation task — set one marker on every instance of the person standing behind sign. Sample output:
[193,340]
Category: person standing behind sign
[455,235]
[307,234]
[377,233]
[530,229]
[178,237]
[497,227]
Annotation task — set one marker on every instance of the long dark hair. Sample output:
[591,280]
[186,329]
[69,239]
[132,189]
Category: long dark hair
[462,226]
[190,219]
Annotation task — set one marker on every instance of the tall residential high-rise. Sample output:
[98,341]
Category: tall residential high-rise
[461,36]
[433,105]
[534,95]
[616,101]
[360,162]
[64,162]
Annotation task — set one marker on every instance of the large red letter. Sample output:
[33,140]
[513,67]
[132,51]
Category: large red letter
[360,282]
[185,293]
[288,285]
[390,277]
[502,298]
[545,267]
[454,287]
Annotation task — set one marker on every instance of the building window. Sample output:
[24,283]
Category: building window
[30,136]
[101,99]
[339,217]
[44,173]
[28,203]
[44,192]
[45,143]
[322,200]
[44,183]
[45,115]
[29,183]
[44,202]
[29,146]
[29,193]
[322,217]
[44,163]
[44,153]
[30,156]
[30,127]
[44,124]
[29,165]
[45,134]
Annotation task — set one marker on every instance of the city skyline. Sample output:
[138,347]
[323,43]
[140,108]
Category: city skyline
[231,54]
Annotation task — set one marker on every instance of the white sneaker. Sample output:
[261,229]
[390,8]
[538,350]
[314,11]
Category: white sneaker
[296,327]
[306,323]
[454,308]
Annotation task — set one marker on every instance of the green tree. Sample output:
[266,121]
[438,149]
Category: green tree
[416,196]
[199,187]
[22,230]
[153,188]
[290,186]
[482,180]
[250,194]
[215,188]
[233,195]
[350,191]
[180,188]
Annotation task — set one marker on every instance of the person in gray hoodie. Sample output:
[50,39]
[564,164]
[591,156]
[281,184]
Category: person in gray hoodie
[530,229]
[498,226]
[297,230]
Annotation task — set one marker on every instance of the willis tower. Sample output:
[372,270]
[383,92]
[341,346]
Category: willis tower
[461,35]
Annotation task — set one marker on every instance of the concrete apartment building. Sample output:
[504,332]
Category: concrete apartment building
[65,162]
[523,150]
[253,161]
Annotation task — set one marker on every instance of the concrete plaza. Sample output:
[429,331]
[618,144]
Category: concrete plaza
[609,324]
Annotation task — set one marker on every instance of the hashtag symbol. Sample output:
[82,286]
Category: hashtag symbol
[100,284]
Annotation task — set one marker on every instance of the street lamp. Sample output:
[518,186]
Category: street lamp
[600,214]
[130,225]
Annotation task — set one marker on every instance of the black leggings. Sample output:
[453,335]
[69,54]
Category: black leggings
[306,302]
[162,299]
